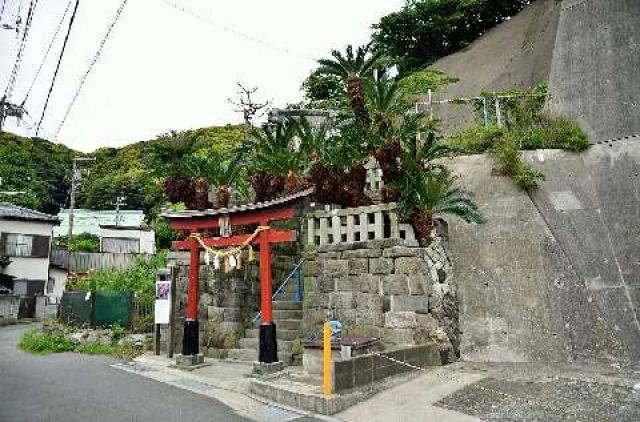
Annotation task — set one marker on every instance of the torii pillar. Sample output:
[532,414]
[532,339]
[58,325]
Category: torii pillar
[189,223]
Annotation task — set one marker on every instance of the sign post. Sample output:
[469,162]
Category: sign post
[162,308]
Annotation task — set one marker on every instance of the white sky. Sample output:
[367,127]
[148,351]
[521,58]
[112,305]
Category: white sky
[163,69]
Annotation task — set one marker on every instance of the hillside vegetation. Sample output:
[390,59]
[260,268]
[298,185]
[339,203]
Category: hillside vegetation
[42,170]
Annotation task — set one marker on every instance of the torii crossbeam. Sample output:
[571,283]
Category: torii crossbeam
[194,222]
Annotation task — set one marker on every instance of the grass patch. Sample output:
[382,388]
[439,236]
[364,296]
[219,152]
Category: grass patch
[42,343]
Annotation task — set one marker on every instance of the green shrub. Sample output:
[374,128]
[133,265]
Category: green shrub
[533,138]
[565,134]
[477,139]
[43,343]
[140,278]
[507,155]
[38,342]
[83,242]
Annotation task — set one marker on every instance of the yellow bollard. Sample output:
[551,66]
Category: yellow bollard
[326,386]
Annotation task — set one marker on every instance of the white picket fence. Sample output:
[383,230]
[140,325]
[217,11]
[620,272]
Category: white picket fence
[374,222]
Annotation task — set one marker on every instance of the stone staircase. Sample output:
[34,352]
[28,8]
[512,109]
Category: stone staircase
[287,315]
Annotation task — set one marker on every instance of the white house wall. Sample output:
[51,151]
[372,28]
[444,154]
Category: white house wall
[146,237]
[27,268]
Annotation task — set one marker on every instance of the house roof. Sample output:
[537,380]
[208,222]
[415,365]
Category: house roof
[15,212]
[237,209]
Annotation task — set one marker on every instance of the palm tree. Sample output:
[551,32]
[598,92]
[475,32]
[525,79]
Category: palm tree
[170,157]
[427,193]
[352,68]
[223,173]
[279,164]
[385,99]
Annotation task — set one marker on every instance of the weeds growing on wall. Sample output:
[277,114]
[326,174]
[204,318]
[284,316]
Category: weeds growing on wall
[526,127]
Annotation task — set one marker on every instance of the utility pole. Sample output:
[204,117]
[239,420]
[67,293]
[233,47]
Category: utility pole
[120,201]
[75,179]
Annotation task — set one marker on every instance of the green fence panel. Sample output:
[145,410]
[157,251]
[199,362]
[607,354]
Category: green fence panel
[75,308]
[112,308]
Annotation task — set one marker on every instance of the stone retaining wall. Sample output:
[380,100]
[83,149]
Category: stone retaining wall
[388,288]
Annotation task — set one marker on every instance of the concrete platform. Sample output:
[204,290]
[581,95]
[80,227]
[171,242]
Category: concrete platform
[294,387]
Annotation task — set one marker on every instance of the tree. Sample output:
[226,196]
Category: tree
[425,186]
[278,165]
[425,30]
[427,193]
[352,69]
[223,171]
[324,91]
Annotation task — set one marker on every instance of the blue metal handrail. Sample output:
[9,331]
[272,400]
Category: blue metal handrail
[283,285]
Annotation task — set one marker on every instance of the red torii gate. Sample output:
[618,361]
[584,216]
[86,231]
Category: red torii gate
[193,222]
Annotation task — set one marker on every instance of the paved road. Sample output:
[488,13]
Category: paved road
[72,387]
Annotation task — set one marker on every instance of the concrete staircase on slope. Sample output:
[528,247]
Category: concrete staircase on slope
[287,315]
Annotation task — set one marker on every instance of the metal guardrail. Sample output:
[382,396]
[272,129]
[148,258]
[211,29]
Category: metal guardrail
[283,286]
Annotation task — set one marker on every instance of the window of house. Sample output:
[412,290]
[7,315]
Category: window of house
[24,245]
[18,244]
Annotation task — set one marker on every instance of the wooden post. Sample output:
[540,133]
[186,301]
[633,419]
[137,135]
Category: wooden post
[156,337]
[326,384]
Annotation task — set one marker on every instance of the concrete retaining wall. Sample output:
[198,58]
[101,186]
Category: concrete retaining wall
[594,73]
[554,276]
[363,370]
[9,306]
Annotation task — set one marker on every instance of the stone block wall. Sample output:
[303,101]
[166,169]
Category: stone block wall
[389,288]
[227,302]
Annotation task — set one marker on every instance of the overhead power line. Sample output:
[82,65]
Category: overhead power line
[55,74]
[46,54]
[96,57]
[240,34]
[4,3]
[18,61]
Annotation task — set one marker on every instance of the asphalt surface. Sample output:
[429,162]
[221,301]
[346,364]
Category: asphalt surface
[71,387]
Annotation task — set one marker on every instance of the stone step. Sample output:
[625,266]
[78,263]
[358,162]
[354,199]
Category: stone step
[280,314]
[287,305]
[252,343]
[282,334]
[249,355]
[248,343]
[288,296]
[288,324]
